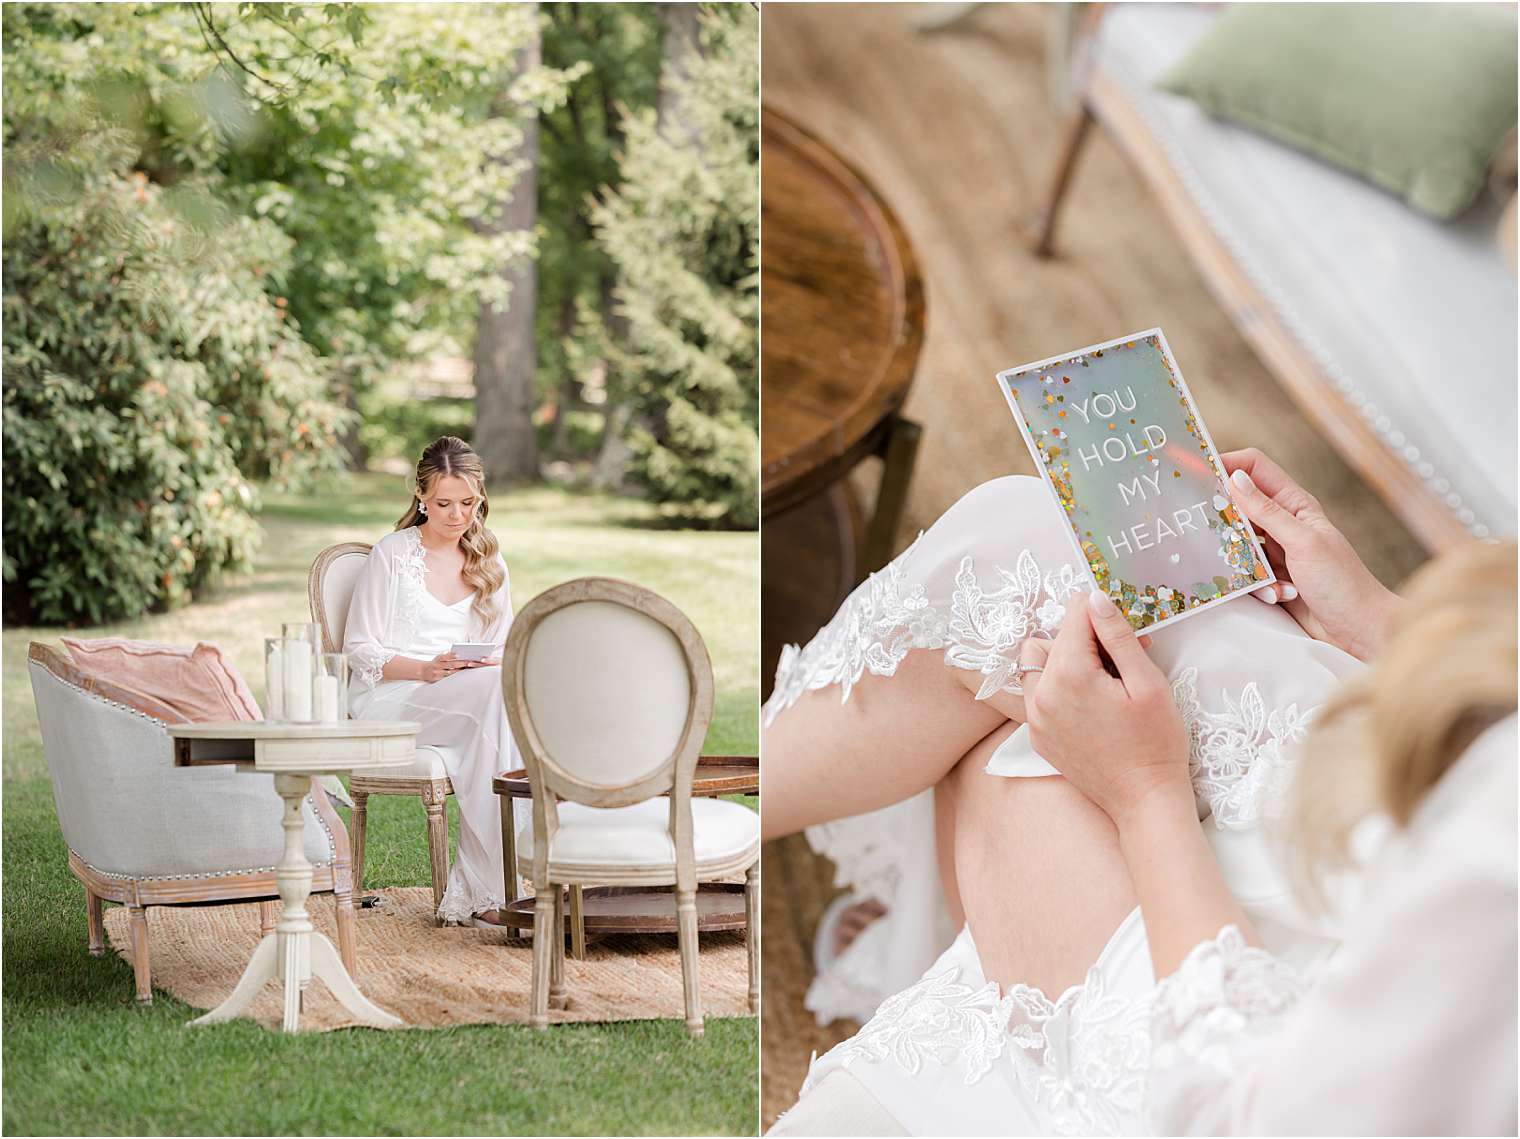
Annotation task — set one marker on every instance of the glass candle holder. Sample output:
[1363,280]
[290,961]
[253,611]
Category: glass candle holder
[329,689]
[274,679]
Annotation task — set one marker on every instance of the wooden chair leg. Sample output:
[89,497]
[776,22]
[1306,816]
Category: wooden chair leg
[437,807]
[142,966]
[577,923]
[1072,138]
[348,941]
[557,996]
[269,913]
[543,947]
[358,819]
[752,933]
[686,932]
[95,921]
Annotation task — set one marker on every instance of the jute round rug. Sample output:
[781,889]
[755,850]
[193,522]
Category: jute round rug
[433,977]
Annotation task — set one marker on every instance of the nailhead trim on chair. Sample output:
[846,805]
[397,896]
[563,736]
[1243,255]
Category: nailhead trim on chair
[1395,439]
[156,722]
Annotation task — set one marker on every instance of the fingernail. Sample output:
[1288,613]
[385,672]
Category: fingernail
[1242,480]
[1269,595]
[1289,592]
[1098,602]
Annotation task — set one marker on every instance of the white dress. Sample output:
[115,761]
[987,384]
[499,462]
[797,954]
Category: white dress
[393,614]
[943,1049]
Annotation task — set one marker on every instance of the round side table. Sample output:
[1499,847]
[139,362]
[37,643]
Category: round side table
[842,321]
[295,753]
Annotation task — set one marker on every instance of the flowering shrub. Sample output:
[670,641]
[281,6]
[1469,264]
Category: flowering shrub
[149,375]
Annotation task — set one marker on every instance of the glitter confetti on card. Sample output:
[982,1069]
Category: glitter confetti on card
[1119,441]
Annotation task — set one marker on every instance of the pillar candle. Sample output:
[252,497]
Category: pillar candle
[274,684]
[325,696]
[298,681]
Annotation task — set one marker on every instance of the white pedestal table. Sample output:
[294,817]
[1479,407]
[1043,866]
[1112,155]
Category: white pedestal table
[294,754]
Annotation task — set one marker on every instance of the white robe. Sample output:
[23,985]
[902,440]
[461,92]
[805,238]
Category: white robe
[393,614]
[943,1049]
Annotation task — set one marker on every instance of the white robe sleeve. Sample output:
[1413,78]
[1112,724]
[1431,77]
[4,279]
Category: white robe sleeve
[364,636]
[1411,1029]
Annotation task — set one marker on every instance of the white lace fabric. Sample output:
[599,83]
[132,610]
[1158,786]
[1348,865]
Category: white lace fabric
[1223,989]
[1079,1060]
[993,571]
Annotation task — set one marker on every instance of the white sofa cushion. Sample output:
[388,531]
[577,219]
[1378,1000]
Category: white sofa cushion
[639,836]
[427,763]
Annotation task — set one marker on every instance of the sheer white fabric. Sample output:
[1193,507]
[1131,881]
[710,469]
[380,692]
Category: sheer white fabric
[1410,1030]
[943,1049]
[393,613]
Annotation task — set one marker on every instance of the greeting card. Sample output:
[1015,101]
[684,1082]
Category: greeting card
[1115,433]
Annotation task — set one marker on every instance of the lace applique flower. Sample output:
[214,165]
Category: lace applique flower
[1241,758]
[1222,989]
[939,1019]
[887,617]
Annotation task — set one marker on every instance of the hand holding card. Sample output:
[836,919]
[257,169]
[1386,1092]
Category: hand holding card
[1118,440]
[475,650]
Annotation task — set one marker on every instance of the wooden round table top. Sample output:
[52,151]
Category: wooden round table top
[841,314]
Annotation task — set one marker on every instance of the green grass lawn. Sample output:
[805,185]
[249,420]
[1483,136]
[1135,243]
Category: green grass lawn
[80,1058]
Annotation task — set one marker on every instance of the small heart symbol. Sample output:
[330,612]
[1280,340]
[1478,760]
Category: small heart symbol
[1176,558]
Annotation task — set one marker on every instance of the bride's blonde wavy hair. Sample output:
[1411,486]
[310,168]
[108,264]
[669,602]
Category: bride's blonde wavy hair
[449,455]
[1446,674]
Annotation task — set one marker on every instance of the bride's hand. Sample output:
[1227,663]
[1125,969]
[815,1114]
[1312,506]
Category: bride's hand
[1118,739]
[1337,598]
[440,666]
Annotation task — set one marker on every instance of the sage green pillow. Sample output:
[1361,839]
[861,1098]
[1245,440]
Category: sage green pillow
[1415,98]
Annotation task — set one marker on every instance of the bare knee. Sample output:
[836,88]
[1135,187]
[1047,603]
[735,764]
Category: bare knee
[1039,872]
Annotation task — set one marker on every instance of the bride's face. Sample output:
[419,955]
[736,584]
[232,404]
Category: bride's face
[451,505]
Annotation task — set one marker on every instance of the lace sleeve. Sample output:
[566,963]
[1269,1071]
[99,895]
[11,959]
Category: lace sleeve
[1207,1025]
[364,637]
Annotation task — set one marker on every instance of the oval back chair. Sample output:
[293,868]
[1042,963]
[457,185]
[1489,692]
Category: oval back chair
[609,691]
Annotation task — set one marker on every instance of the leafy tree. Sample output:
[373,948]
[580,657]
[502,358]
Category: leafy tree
[148,378]
[683,230]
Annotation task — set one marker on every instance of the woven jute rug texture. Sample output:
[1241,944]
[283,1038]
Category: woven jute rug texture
[433,977]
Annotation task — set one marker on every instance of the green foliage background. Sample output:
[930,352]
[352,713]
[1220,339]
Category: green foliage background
[684,232]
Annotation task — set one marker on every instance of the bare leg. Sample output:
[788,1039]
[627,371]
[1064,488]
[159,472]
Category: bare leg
[1038,869]
[896,736]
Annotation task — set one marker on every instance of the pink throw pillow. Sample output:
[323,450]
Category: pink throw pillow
[198,682]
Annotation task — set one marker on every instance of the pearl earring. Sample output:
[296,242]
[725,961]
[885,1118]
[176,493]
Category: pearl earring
[422,508]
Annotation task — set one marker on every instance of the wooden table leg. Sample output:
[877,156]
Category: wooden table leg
[898,455]
[508,848]
[577,924]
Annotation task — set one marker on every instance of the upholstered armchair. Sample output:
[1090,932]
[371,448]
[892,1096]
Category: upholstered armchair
[143,832]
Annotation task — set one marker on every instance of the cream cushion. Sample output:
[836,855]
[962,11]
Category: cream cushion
[639,836]
[427,763]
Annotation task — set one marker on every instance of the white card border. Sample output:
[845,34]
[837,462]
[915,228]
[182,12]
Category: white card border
[1224,478]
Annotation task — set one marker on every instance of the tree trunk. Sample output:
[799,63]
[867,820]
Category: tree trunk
[679,42]
[506,349]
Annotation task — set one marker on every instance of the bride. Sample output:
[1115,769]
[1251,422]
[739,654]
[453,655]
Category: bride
[439,579]
[922,736]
